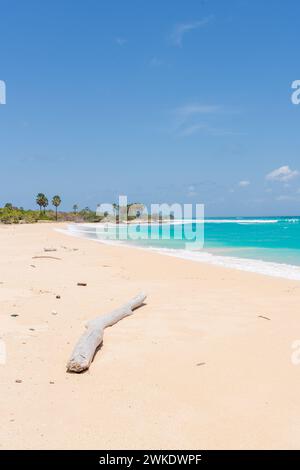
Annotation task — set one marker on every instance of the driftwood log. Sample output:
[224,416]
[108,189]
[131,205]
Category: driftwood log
[88,343]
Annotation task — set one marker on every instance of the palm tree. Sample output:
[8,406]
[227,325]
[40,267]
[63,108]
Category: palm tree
[45,204]
[56,201]
[116,208]
[42,201]
[75,208]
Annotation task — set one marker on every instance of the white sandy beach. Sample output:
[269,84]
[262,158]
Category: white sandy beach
[197,367]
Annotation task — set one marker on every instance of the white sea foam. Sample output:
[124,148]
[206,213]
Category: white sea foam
[199,221]
[267,268]
[241,221]
[189,221]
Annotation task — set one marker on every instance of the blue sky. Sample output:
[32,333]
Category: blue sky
[173,101]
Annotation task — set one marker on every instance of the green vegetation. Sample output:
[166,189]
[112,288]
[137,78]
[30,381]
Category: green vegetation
[17,215]
[10,214]
[14,215]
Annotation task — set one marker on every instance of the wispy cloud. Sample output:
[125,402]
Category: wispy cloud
[190,130]
[207,129]
[184,113]
[180,29]
[120,41]
[285,197]
[155,62]
[194,118]
[191,192]
[244,183]
[194,108]
[282,174]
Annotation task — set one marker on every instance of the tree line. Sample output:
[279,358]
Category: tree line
[10,214]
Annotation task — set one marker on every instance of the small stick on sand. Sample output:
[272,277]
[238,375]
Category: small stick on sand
[88,343]
[265,318]
[45,257]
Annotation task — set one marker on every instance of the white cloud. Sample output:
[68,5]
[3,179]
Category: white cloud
[187,120]
[155,62]
[181,29]
[190,130]
[194,108]
[201,127]
[186,115]
[283,174]
[192,191]
[244,183]
[120,41]
[285,197]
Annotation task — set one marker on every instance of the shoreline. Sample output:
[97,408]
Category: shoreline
[223,340]
[257,266]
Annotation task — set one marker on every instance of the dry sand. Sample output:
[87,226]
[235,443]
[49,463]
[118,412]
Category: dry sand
[194,368]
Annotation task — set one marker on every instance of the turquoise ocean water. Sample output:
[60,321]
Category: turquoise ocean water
[270,245]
